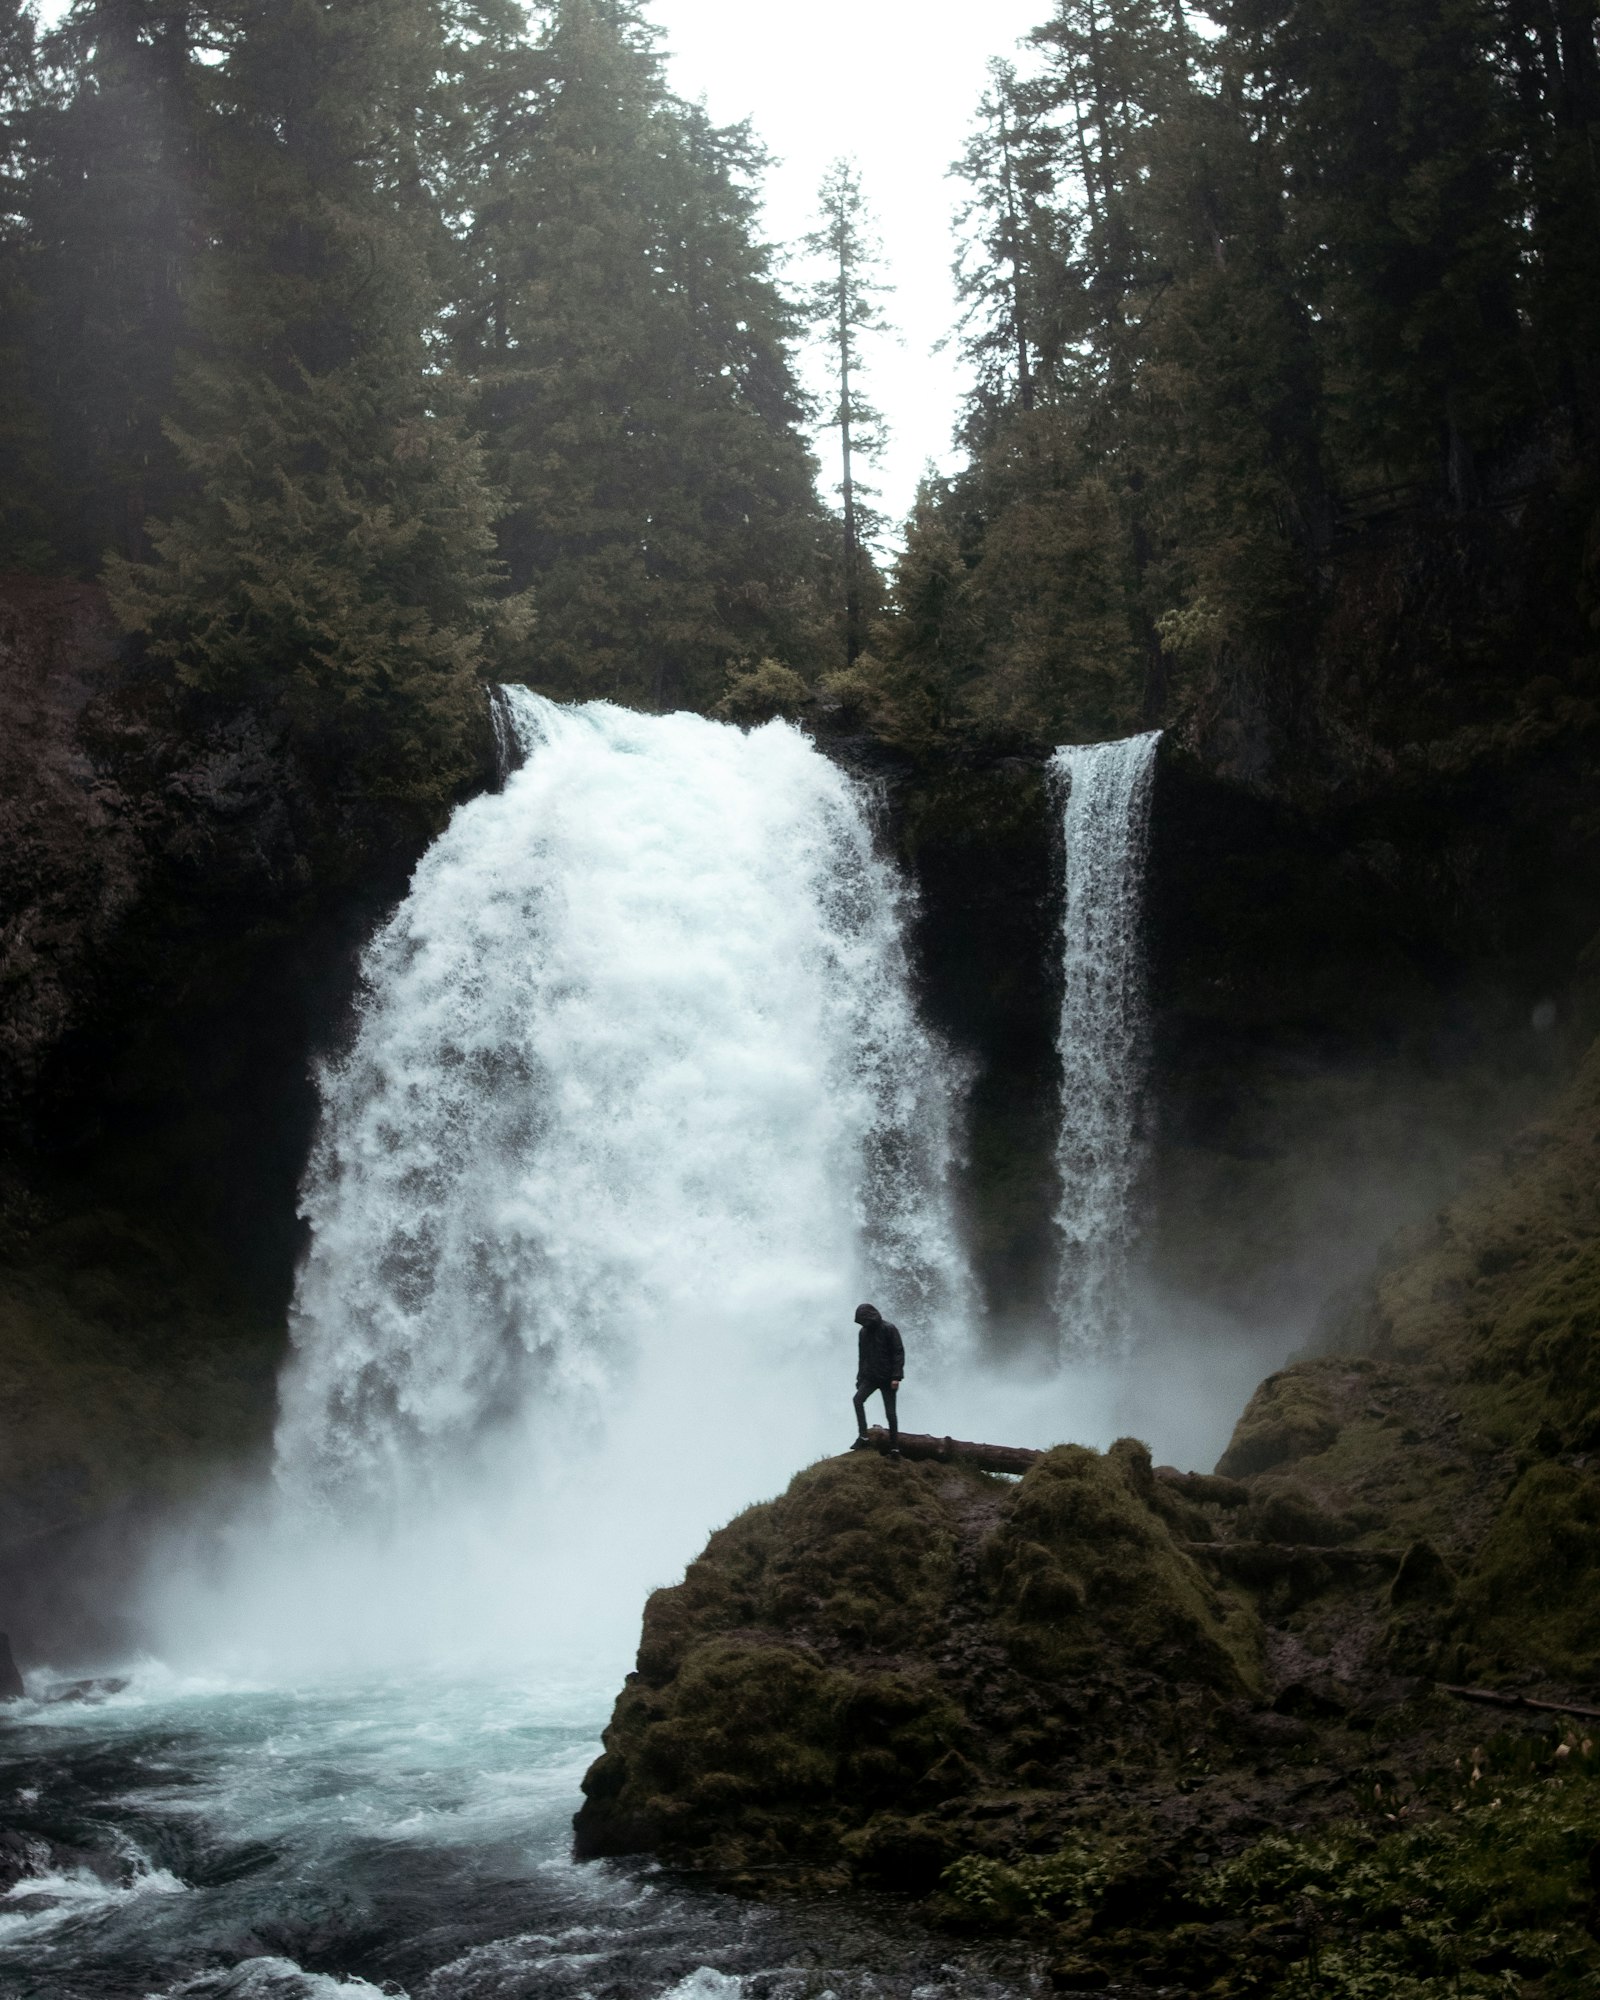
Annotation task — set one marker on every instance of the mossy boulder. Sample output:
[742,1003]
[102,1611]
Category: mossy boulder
[1084,1567]
[1533,1597]
[1289,1417]
[846,1666]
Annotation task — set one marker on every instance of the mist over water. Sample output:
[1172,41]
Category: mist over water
[1105,792]
[636,1108]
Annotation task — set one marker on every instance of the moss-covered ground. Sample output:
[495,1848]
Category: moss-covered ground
[1197,1740]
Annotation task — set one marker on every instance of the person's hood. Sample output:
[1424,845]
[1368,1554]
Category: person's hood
[867,1315]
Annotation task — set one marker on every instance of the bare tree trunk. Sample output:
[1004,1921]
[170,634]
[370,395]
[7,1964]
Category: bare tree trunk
[852,576]
[1014,252]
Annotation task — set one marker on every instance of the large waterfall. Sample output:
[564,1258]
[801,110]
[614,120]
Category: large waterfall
[1105,789]
[636,1108]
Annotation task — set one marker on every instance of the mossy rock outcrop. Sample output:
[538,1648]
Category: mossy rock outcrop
[848,1669]
[1459,1429]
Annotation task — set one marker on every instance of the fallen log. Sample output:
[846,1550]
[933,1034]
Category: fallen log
[957,1451]
[1205,1486]
[1496,1699]
[1253,1562]
[1016,1458]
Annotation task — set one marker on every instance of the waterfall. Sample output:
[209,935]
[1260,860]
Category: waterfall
[636,1107]
[1105,789]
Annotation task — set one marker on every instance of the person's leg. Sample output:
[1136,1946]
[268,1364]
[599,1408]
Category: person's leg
[863,1391]
[890,1398]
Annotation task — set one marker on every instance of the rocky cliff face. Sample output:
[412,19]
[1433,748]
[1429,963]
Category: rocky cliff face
[1373,867]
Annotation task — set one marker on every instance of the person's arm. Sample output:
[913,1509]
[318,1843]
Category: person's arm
[899,1368]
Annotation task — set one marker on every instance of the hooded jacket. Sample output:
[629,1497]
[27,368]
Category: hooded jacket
[882,1352]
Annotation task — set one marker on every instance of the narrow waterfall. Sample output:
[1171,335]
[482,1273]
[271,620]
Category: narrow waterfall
[636,1108]
[1105,794]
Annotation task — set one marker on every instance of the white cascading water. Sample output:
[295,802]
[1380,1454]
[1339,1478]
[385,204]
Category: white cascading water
[637,1108]
[1105,792]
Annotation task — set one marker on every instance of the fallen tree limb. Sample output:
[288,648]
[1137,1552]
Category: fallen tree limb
[1496,1699]
[1204,1486]
[956,1451]
[1253,1562]
[1016,1458]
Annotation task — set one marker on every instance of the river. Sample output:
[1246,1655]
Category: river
[401,1835]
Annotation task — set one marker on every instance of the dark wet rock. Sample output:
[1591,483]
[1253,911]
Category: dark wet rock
[21,1855]
[26,1855]
[181,901]
[1424,1577]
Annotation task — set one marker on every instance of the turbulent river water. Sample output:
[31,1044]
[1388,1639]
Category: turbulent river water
[635,1107]
[404,1834]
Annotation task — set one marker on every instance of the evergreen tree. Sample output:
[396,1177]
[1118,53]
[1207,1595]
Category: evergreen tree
[844,303]
[1010,248]
[333,561]
[1394,130]
[109,234]
[27,473]
[1226,412]
[1548,53]
[631,354]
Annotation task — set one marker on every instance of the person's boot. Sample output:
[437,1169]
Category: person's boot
[894,1448]
[862,1443]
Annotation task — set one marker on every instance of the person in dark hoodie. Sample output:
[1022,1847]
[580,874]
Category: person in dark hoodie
[880,1366]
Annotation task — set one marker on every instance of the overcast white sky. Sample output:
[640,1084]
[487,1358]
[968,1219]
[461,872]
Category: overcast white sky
[896,84]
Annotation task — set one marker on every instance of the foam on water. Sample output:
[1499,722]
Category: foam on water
[409,1835]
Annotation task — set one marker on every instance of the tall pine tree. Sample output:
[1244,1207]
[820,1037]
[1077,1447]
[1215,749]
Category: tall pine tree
[631,352]
[844,306]
[333,560]
[107,221]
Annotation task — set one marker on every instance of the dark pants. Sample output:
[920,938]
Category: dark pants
[866,1386]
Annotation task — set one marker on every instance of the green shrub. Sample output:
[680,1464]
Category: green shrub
[1470,1902]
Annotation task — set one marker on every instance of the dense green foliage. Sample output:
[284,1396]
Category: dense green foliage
[1488,1889]
[628,350]
[334,539]
[1233,295]
[373,348]
[388,344]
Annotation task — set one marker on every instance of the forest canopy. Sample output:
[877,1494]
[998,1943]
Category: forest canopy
[1235,284]
[369,350]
